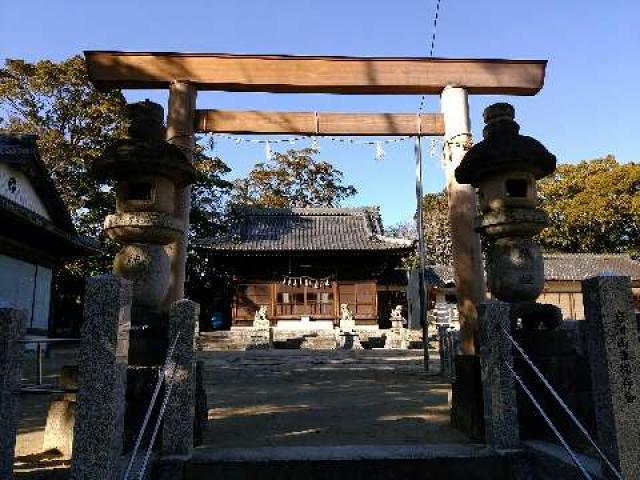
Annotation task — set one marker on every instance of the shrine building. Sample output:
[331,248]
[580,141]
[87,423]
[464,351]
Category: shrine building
[302,264]
[37,235]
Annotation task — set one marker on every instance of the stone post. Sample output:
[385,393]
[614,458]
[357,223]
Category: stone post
[180,132]
[98,434]
[12,325]
[498,387]
[178,422]
[467,257]
[614,357]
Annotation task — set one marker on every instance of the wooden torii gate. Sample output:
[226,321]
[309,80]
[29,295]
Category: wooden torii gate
[184,74]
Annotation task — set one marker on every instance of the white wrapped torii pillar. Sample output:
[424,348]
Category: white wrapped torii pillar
[465,242]
[184,74]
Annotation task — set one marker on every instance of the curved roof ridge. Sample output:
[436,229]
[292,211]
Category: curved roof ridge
[248,210]
[308,229]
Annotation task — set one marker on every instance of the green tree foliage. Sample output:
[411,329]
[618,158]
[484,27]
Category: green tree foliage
[437,236]
[594,206]
[208,220]
[293,179]
[74,123]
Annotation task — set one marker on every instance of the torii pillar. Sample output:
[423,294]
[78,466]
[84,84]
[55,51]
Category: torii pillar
[180,132]
[466,252]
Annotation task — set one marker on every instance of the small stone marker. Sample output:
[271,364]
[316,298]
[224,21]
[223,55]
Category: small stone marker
[177,429]
[61,418]
[98,435]
[12,325]
[58,432]
[614,356]
[499,394]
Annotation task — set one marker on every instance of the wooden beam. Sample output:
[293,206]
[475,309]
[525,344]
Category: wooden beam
[310,123]
[303,74]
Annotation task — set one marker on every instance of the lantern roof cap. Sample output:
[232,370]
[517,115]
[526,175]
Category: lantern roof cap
[144,151]
[503,149]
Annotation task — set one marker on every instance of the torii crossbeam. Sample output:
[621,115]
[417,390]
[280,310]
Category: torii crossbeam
[319,123]
[313,74]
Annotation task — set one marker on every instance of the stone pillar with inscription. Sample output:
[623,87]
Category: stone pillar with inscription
[178,421]
[614,357]
[499,394]
[99,426]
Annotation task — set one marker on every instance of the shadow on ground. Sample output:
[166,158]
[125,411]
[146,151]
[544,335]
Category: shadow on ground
[286,398]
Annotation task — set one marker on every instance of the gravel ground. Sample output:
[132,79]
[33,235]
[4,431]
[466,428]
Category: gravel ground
[285,398]
[304,398]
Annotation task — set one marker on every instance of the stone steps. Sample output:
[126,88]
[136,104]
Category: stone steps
[304,340]
[240,339]
[425,462]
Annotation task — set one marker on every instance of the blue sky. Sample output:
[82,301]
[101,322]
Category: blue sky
[589,106]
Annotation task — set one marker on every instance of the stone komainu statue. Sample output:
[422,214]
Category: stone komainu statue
[396,318]
[346,317]
[345,313]
[260,319]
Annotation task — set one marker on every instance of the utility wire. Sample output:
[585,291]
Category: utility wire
[433,45]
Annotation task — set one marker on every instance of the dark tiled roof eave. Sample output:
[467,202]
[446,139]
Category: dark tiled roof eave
[68,244]
[317,230]
[578,266]
[567,267]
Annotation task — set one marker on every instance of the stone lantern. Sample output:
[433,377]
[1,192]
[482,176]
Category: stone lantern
[148,171]
[504,168]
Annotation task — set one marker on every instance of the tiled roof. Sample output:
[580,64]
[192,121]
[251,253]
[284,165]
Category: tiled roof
[439,275]
[560,267]
[578,266]
[308,229]
[21,153]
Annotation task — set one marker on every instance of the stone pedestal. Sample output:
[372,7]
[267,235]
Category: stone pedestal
[614,355]
[178,421]
[467,407]
[350,341]
[12,325]
[395,338]
[98,437]
[499,394]
[557,354]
